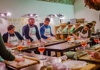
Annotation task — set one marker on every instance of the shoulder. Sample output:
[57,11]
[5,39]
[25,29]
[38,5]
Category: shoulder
[35,26]
[42,26]
[17,33]
[25,26]
[5,34]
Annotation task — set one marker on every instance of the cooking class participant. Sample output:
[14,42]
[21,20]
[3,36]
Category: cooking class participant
[84,32]
[93,27]
[30,31]
[12,38]
[5,54]
[45,30]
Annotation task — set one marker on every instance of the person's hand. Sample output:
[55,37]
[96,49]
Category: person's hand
[10,45]
[18,59]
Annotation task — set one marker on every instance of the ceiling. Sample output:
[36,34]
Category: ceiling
[70,2]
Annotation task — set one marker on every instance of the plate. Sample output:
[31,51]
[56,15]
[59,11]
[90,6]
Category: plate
[75,64]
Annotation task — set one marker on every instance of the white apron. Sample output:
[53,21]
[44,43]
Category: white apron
[83,36]
[47,32]
[32,33]
[13,39]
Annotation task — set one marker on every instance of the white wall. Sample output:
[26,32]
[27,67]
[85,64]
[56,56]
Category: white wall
[83,12]
[20,7]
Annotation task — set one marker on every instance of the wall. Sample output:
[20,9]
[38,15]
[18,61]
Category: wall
[83,12]
[20,7]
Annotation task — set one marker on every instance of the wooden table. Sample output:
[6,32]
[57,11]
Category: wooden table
[89,66]
[63,47]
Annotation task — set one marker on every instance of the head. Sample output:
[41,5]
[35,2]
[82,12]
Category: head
[88,26]
[94,23]
[31,21]
[47,21]
[11,29]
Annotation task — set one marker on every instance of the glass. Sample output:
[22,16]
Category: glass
[41,49]
[28,43]
[84,44]
[96,39]
[20,47]
[68,38]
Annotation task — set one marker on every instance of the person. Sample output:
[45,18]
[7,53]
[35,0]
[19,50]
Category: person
[45,30]
[84,32]
[93,27]
[5,54]
[30,31]
[12,38]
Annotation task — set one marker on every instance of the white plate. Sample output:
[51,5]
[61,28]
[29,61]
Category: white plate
[75,64]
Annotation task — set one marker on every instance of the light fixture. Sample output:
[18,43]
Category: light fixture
[55,15]
[5,14]
[2,15]
[30,15]
[8,14]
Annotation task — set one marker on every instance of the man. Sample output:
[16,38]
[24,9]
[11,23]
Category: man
[45,30]
[12,38]
[30,31]
[5,54]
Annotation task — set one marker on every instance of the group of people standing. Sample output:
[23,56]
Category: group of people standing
[30,31]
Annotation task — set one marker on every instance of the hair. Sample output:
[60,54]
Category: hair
[47,19]
[31,19]
[10,27]
[89,25]
[93,21]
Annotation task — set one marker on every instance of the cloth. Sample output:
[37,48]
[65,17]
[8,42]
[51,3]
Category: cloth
[25,32]
[4,53]
[60,66]
[42,31]
[5,36]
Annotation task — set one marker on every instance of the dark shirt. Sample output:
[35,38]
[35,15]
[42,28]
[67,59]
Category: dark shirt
[5,36]
[42,31]
[80,29]
[25,32]
[4,53]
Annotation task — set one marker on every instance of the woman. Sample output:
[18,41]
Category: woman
[84,32]
[12,38]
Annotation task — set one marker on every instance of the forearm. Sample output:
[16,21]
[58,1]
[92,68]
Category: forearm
[5,54]
[76,37]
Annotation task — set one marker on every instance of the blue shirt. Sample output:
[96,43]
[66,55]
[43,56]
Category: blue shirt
[42,31]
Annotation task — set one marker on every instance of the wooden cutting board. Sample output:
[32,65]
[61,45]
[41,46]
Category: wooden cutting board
[28,62]
[88,67]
